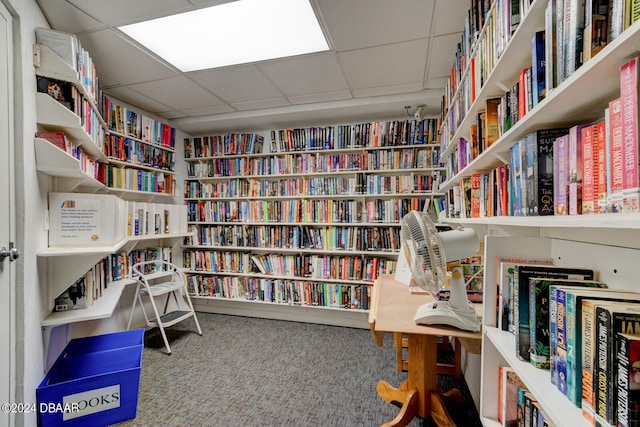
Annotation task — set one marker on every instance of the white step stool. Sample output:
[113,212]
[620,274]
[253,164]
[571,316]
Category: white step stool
[157,278]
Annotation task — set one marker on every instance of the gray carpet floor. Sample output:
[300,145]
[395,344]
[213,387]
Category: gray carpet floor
[258,372]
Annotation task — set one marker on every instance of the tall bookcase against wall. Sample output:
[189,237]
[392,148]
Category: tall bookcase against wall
[104,159]
[609,243]
[311,219]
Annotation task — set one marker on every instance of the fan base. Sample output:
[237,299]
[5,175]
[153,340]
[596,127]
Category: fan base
[442,313]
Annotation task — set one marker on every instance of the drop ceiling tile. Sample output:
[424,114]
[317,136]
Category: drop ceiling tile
[121,12]
[387,90]
[136,99]
[237,84]
[394,64]
[306,74]
[321,97]
[171,115]
[179,93]
[356,24]
[451,15]
[436,83]
[67,17]
[442,55]
[121,61]
[208,110]
[261,104]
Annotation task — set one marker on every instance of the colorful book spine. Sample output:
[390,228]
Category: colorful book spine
[561,175]
[615,156]
[611,319]
[629,97]
[538,66]
[575,170]
[628,384]
[600,169]
[561,340]
[588,169]
[588,360]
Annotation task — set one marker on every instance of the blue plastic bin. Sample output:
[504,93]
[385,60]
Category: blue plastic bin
[94,382]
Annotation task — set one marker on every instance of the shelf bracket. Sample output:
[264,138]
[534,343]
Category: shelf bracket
[501,158]
[503,87]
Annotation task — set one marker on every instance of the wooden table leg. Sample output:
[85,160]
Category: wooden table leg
[419,394]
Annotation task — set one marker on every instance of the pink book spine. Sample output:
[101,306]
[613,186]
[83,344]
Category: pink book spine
[615,158]
[587,171]
[561,175]
[629,97]
[575,170]
[601,187]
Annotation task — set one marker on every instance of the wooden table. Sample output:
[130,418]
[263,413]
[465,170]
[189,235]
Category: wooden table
[393,307]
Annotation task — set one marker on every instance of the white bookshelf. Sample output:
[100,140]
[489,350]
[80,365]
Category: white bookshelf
[608,243]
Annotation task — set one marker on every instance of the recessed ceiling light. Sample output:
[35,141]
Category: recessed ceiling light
[232,33]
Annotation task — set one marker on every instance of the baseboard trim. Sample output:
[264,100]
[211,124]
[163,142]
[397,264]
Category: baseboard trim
[319,315]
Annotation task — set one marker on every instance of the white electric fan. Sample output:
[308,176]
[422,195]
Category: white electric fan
[424,249]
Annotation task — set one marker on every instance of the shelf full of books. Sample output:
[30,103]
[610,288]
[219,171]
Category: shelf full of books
[535,131]
[128,150]
[107,162]
[305,217]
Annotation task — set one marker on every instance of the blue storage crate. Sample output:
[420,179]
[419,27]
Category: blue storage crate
[94,382]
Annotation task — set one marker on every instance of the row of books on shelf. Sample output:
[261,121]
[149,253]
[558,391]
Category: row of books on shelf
[121,175]
[374,134]
[583,169]
[132,179]
[326,238]
[313,163]
[117,117]
[488,29]
[564,320]
[517,406]
[85,163]
[138,153]
[321,267]
[281,291]
[68,48]
[90,287]
[78,219]
[305,210]
[364,184]
[574,32]
[143,128]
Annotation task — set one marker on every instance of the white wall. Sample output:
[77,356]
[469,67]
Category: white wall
[31,192]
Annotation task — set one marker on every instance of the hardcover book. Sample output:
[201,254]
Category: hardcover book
[506,269]
[611,318]
[538,67]
[75,297]
[588,170]
[543,178]
[629,97]
[628,384]
[521,303]
[574,337]
[615,157]
[561,175]
[508,384]
[492,123]
[56,138]
[539,316]
[575,170]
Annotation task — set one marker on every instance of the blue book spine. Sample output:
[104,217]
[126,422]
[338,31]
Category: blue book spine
[538,66]
[561,343]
